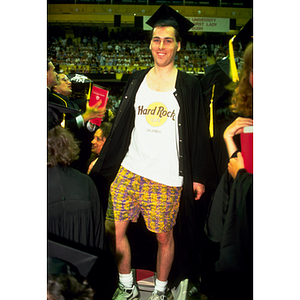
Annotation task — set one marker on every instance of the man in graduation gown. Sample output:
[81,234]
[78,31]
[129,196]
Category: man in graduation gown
[194,156]
[77,122]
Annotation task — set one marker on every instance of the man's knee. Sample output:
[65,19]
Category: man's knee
[165,237]
[116,230]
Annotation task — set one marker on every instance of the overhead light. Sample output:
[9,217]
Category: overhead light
[110,10]
[199,12]
[233,13]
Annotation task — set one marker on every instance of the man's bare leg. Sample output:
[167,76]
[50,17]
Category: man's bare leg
[165,254]
[119,244]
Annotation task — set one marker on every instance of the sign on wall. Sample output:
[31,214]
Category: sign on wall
[210,24]
[203,24]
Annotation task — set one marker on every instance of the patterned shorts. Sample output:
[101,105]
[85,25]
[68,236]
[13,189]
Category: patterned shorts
[131,194]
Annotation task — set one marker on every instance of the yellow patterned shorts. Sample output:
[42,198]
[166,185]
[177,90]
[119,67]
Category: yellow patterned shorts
[131,194]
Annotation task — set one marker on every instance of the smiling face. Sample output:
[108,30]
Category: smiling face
[164,46]
[98,142]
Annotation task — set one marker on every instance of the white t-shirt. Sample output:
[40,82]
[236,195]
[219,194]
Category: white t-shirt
[154,149]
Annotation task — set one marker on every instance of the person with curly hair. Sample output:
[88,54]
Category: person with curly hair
[230,220]
[242,99]
[241,102]
[75,217]
[62,147]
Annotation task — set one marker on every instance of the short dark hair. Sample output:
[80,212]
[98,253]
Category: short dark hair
[106,128]
[168,23]
[62,148]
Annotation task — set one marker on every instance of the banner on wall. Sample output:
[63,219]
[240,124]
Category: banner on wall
[202,24]
[210,24]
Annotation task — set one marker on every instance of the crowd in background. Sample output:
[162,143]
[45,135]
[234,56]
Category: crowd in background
[125,51]
[102,55]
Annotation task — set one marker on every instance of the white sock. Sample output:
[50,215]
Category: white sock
[126,279]
[160,285]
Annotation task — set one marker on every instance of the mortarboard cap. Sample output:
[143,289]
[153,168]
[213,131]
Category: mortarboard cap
[215,94]
[216,74]
[81,83]
[245,35]
[78,78]
[170,16]
[79,261]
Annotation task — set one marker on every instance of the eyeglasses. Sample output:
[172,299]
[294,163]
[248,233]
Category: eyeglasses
[65,79]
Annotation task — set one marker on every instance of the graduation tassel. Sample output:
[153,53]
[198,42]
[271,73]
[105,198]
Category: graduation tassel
[63,123]
[233,70]
[211,117]
[88,96]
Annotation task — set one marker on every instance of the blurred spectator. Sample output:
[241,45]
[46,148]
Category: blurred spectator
[51,75]
[62,92]
[78,123]
[100,137]
[67,287]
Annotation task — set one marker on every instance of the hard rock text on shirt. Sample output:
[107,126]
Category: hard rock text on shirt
[159,111]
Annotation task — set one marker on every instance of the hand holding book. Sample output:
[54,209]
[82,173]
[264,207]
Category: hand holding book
[98,101]
[95,111]
[234,128]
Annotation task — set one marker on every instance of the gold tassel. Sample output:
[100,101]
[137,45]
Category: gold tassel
[233,70]
[63,123]
[211,117]
[88,96]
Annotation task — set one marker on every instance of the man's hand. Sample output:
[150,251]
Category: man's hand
[199,189]
[93,112]
[235,164]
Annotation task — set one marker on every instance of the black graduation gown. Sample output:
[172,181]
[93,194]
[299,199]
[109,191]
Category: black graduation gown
[230,223]
[83,135]
[75,219]
[195,162]
[75,216]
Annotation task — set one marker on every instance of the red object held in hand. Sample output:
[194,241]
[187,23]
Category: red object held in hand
[247,148]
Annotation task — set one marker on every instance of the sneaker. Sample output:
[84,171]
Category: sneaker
[123,293]
[157,295]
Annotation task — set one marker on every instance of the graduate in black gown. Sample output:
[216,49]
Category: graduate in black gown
[230,219]
[218,85]
[74,212]
[77,122]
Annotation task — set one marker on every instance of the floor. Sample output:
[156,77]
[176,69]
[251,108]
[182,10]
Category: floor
[185,291]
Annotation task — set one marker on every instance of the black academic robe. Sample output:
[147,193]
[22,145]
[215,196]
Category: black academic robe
[74,213]
[75,219]
[230,223]
[195,164]
[83,135]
